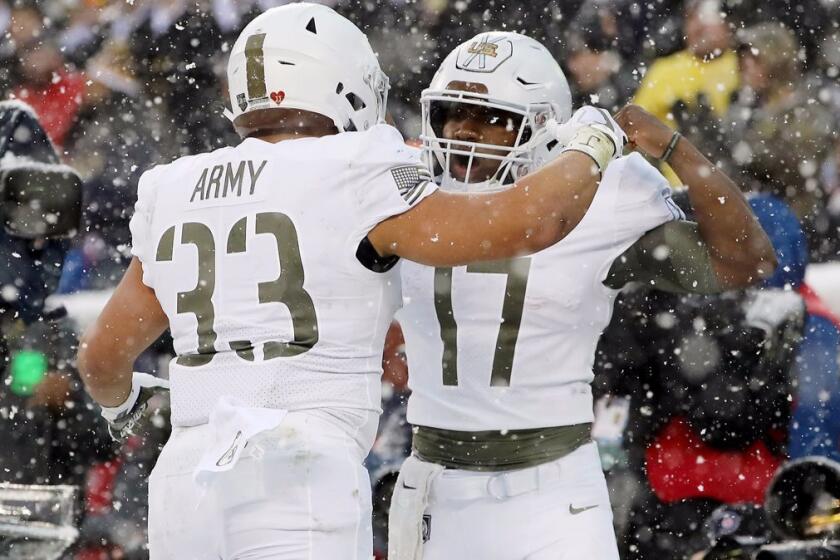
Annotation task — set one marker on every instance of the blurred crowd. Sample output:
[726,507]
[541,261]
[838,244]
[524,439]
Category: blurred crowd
[701,398]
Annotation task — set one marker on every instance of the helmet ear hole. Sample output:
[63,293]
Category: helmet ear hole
[355,101]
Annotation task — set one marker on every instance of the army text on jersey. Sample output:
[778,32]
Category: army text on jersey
[221,181]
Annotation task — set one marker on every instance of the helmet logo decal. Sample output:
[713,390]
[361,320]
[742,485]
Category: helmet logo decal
[485,48]
[484,55]
[255,67]
[242,101]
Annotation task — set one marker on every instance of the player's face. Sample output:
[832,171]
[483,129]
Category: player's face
[473,123]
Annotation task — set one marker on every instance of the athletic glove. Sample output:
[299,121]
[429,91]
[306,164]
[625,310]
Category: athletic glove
[121,419]
[594,132]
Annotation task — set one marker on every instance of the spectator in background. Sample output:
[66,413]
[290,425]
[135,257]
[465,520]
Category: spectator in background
[51,433]
[779,132]
[44,82]
[815,424]
[404,36]
[82,32]
[7,49]
[706,66]
[710,380]
[174,49]
[597,74]
[115,138]
[19,26]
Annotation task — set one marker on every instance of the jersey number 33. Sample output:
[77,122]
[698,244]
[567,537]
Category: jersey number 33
[287,288]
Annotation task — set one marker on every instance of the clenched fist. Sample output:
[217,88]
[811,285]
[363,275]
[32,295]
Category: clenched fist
[645,132]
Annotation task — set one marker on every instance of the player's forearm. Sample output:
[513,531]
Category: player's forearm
[540,210]
[131,320]
[740,251]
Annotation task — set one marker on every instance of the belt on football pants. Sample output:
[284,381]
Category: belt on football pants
[498,450]
[502,485]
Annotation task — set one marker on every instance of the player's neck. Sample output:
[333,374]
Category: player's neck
[280,136]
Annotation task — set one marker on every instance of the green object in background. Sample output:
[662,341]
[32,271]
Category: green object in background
[28,370]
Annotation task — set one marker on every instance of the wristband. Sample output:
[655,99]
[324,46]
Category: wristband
[595,141]
[113,413]
[675,138]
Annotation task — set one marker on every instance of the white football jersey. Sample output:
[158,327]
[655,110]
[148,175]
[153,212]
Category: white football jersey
[251,251]
[510,344]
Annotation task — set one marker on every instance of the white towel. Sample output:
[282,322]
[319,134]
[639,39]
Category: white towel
[232,425]
[406,533]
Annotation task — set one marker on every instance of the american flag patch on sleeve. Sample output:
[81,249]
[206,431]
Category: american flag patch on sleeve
[411,181]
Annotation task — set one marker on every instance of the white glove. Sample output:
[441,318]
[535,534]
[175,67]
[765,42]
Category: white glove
[593,131]
[122,418]
[768,308]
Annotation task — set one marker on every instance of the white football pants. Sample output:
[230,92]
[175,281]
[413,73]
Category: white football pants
[298,492]
[558,511]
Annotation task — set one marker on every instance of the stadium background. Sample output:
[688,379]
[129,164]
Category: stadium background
[121,85]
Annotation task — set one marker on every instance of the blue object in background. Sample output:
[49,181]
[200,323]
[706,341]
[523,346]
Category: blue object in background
[74,273]
[815,423]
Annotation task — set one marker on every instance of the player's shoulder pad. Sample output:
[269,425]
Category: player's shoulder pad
[149,181]
[154,177]
[382,144]
[638,178]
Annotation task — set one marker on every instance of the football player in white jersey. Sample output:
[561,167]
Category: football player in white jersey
[271,264]
[500,353]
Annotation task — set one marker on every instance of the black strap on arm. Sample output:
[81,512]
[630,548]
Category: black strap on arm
[671,257]
[370,259]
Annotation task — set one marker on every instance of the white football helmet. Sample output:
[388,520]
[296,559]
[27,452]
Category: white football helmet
[306,56]
[520,77]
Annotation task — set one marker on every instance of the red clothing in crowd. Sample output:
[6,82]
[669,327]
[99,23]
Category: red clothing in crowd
[57,104]
[681,466]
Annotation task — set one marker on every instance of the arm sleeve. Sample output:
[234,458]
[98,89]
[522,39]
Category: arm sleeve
[644,200]
[387,178]
[141,225]
[671,257]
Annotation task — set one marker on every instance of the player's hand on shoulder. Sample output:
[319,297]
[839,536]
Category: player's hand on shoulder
[593,131]
[122,419]
[645,132]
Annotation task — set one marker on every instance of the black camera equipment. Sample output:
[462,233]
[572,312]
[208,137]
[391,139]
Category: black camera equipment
[39,197]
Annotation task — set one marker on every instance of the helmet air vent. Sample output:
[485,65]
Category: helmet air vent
[311,26]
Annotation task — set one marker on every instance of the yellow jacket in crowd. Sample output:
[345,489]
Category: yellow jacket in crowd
[682,76]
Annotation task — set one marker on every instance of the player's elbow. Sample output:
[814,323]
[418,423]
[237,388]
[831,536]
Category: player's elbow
[768,265]
[762,259]
[94,362]
[545,234]
[85,362]
[746,272]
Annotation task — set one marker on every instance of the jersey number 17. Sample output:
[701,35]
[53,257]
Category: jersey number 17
[517,282]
